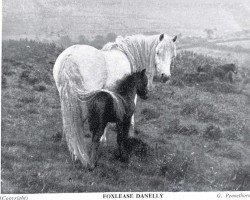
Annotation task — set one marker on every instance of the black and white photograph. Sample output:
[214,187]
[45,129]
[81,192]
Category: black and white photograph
[125,99]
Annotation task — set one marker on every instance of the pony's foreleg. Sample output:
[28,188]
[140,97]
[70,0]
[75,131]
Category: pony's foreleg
[150,82]
[132,122]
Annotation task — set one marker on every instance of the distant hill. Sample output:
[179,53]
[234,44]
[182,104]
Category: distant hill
[51,19]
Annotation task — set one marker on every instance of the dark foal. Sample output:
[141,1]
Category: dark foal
[115,107]
[223,72]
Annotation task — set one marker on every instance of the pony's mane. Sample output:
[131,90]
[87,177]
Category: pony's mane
[126,84]
[139,49]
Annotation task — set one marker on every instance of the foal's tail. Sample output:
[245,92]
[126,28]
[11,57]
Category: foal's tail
[70,80]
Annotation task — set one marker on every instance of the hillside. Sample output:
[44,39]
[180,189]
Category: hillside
[43,19]
[196,133]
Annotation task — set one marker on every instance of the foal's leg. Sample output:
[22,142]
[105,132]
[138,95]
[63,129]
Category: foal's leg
[96,135]
[122,136]
[104,136]
[132,127]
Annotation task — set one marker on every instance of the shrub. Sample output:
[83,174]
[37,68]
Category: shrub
[4,82]
[176,82]
[137,147]
[231,133]
[190,130]
[189,107]
[39,88]
[35,76]
[7,68]
[30,77]
[207,113]
[27,99]
[240,178]
[215,87]
[185,70]
[33,110]
[25,75]
[175,127]
[150,113]
[176,166]
[212,132]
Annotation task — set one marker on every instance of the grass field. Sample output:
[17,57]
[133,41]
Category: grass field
[242,59]
[245,44]
[198,134]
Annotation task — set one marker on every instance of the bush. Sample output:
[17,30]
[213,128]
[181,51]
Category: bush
[240,179]
[189,107]
[175,166]
[231,133]
[212,132]
[27,99]
[207,113]
[4,82]
[137,147]
[35,76]
[30,77]
[175,127]
[39,88]
[215,87]
[176,82]
[185,70]
[33,110]
[150,113]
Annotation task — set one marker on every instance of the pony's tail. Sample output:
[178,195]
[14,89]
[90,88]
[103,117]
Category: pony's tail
[72,113]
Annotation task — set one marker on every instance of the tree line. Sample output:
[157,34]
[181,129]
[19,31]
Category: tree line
[97,42]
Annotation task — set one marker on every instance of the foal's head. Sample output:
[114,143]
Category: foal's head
[137,83]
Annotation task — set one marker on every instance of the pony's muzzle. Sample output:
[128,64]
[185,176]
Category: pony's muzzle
[164,78]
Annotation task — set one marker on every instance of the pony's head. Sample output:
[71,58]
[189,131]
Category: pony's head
[142,84]
[165,52]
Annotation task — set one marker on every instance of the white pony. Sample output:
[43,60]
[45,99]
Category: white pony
[82,68]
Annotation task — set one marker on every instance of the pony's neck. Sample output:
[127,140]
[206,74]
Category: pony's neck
[140,51]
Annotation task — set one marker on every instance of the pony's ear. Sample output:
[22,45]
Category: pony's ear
[143,72]
[161,37]
[174,38]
